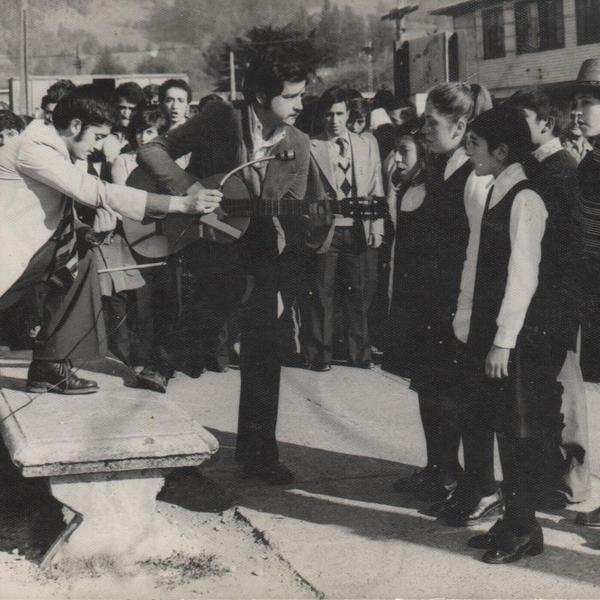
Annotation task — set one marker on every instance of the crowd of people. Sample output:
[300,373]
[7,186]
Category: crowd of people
[460,246]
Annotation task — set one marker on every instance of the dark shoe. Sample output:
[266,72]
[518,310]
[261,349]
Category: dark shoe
[512,547]
[469,512]
[49,376]
[366,364]
[155,380]
[319,367]
[453,495]
[420,478]
[272,472]
[589,519]
[489,540]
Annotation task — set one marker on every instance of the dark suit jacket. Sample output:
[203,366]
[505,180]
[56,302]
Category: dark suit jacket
[218,140]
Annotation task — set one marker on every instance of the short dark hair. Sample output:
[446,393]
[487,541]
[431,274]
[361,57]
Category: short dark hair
[384,99]
[129,91]
[165,86]
[271,68]
[150,91]
[142,119]
[543,105]
[57,91]
[86,104]
[205,100]
[504,125]
[332,96]
[8,120]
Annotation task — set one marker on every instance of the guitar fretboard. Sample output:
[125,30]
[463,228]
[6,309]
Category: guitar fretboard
[348,207]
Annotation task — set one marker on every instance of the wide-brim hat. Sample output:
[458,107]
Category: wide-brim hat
[588,79]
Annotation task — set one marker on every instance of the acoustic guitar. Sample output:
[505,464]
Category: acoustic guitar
[156,238]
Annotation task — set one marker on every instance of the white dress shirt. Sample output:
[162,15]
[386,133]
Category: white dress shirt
[527,224]
[548,149]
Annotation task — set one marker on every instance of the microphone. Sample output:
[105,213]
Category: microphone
[285,155]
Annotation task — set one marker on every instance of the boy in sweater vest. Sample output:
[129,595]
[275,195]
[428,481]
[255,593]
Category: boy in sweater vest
[553,174]
[513,353]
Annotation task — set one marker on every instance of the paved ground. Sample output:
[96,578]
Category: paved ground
[338,531]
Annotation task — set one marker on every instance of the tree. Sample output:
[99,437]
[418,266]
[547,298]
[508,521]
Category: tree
[107,64]
[353,34]
[158,64]
[328,34]
[255,41]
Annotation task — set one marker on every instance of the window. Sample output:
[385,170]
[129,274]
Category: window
[587,13]
[540,25]
[493,33]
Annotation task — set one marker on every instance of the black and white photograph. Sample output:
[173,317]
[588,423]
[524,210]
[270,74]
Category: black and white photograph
[299,299]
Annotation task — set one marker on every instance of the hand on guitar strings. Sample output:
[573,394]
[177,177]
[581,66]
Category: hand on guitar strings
[198,201]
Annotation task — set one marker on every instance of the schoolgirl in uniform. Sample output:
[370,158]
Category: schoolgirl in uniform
[408,286]
[513,353]
[435,375]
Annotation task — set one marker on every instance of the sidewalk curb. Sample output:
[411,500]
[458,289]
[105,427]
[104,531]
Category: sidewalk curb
[263,538]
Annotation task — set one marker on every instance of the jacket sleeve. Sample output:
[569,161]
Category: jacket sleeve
[45,164]
[211,136]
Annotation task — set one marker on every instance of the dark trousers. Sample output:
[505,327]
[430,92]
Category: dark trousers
[184,308]
[440,428]
[524,411]
[360,271]
[264,344]
[72,321]
[118,316]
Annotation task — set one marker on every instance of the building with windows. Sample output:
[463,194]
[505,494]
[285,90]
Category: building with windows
[507,45]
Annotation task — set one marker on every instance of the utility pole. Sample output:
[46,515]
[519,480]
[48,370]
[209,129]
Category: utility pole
[368,50]
[24,99]
[401,81]
[77,62]
[232,89]
[397,15]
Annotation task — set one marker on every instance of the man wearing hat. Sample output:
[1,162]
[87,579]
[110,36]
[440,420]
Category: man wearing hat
[586,90]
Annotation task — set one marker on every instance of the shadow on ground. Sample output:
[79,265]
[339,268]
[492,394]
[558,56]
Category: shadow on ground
[353,493]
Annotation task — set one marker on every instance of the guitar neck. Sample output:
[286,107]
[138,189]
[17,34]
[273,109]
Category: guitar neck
[288,207]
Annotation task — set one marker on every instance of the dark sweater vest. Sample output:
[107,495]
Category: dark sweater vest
[492,275]
[449,233]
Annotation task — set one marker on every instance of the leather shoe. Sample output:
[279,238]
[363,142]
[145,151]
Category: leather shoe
[489,540]
[426,483]
[58,377]
[589,519]
[466,513]
[319,367]
[512,547]
[154,379]
[365,364]
[272,472]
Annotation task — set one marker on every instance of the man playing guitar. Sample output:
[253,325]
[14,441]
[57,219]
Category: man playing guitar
[271,252]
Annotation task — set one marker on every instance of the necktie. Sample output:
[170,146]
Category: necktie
[344,177]
[65,259]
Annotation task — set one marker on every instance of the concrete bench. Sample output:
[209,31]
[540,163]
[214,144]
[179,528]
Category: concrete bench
[106,456]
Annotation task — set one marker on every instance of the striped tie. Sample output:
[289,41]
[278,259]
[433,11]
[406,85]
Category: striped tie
[65,259]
